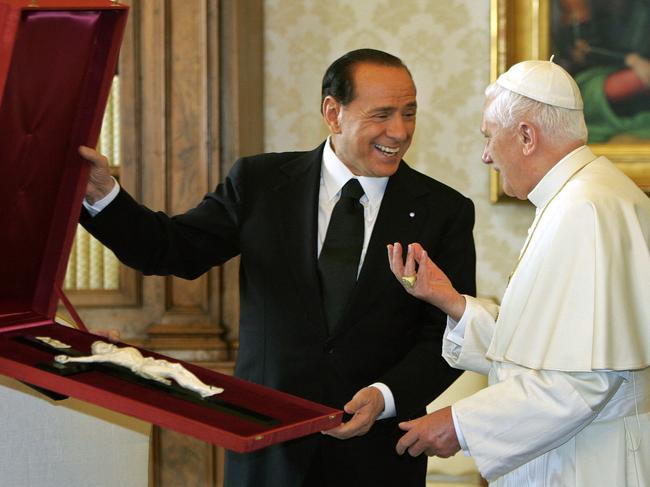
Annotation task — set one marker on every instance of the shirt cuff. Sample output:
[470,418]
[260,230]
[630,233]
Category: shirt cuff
[389,401]
[459,434]
[456,333]
[99,205]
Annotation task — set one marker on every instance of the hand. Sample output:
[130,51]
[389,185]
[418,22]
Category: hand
[366,405]
[433,434]
[431,285]
[100,182]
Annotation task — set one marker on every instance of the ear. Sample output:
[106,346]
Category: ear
[528,137]
[331,111]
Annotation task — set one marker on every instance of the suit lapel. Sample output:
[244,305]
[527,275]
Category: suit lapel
[297,197]
[401,216]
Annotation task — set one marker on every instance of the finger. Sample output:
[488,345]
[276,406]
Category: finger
[396,260]
[417,250]
[406,425]
[94,157]
[389,249]
[88,153]
[335,432]
[409,267]
[355,427]
[405,442]
[358,401]
[425,266]
[355,405]
[416,449]
[422,257]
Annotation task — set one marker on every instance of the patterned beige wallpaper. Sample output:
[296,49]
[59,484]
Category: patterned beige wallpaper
[446,44]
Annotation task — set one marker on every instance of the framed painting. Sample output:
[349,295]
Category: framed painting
[604,45]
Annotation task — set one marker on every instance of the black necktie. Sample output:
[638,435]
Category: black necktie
[338,263]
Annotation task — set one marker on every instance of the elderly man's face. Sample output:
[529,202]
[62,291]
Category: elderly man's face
[372,133]
[503,151]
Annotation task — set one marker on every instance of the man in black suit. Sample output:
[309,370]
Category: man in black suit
[380,359]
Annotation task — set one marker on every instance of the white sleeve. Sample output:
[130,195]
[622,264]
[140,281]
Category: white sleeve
[466,342]
[459,433]
[99,205]
[389,401]
[531,412]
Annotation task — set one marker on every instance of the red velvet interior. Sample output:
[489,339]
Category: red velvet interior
[53,102]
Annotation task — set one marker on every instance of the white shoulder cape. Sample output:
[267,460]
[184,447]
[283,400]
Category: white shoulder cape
[579,299]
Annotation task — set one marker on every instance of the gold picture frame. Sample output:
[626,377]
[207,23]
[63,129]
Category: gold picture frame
[520,30]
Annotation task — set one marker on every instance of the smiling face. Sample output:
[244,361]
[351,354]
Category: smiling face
[373,131]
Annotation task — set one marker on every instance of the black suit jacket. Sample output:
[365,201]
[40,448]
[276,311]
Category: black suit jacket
[266,211]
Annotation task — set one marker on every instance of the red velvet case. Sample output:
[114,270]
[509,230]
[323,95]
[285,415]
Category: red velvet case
[57,59]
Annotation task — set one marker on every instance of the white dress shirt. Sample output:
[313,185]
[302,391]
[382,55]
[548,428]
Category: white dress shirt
[334,175]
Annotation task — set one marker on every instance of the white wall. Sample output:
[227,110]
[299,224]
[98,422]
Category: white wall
[68,443]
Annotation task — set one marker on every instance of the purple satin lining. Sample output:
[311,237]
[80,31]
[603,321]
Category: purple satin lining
[45,110]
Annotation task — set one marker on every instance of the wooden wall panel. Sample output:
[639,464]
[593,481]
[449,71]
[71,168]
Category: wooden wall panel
[187,119]
[242,118]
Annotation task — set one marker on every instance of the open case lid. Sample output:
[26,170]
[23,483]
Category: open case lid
[57,61]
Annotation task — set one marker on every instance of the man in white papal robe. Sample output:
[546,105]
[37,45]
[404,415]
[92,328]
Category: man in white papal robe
[568,351]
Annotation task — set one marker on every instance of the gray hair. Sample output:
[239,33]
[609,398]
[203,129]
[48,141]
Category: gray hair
[508,108]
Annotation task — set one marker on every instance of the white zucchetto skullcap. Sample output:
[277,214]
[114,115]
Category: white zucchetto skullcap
[543,81]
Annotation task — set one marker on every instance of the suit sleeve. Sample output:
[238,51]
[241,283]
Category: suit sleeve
[423,373]
[185,245]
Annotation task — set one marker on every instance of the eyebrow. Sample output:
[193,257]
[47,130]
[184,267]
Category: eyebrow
[393,108]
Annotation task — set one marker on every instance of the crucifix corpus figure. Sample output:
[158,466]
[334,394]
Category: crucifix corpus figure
[147,367]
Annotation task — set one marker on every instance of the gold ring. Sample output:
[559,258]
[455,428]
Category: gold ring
[409,281]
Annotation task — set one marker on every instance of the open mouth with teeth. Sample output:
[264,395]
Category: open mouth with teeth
[387,151]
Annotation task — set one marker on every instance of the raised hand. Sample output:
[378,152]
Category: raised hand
[429,283]
[100,181]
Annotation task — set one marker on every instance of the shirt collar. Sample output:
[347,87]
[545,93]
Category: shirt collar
[559,174]
[335,174]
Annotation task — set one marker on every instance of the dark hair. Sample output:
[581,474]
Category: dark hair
[338,79]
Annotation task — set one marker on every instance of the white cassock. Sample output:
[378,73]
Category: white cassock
[568,357]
